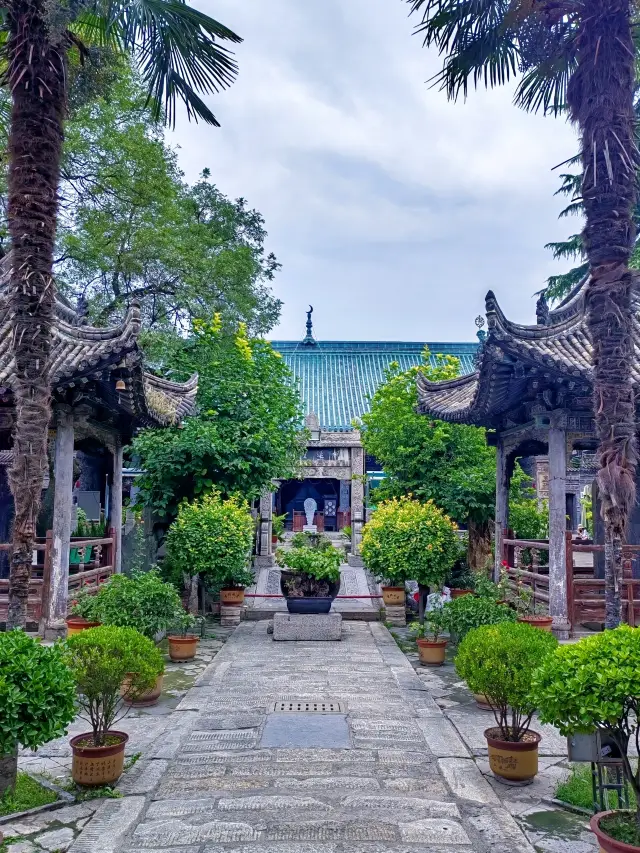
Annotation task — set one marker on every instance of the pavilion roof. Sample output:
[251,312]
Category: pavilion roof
[516,359]
[337,378]
[81,353]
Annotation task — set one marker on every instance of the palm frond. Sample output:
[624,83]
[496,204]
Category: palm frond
[544,86]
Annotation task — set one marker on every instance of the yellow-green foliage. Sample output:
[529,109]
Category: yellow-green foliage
[406,539]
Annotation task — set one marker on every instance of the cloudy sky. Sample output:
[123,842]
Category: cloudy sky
[392,210]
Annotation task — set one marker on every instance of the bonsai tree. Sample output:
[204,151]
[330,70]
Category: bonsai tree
[406,539]
[497,661]
[211,538]
[143,601]
[471,611]
[595,684]
[36,698]
[313,563]
[101,660]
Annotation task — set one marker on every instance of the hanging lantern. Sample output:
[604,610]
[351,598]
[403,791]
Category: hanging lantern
[121,385]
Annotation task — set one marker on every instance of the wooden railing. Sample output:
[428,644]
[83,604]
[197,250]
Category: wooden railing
[585,593]
[90,575]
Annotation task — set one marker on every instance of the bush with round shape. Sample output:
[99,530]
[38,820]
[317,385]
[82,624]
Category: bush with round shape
[409,540]
[312,564]
[498,661]
[212,537]
[470,611]
[37,694]
[595,684]
[101,660]
[143,601]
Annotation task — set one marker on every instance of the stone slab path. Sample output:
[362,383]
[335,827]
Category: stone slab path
[403,781]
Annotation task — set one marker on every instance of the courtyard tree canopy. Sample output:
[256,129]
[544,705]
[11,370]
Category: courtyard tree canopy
[247,427]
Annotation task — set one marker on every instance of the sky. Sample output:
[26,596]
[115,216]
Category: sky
[392,210]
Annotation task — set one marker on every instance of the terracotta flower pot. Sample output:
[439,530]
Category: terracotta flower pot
[75,624]
[97,765]
[232,597]
[393,596]
[183,648]
[608,844]
[458,593]
[144,700]
[482,702]
[431,652]
[510,761]
[542,622]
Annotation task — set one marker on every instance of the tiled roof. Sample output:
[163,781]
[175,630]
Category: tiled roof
[516,357]
[337,378]
[82,352]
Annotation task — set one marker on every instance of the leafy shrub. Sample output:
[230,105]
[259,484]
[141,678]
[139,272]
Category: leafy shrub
[101,660]
[212,537]
[409,540]
[143,601]
[84,605]
[595,684]
[315,562]
[470,611]
[36,692]
[435,622]
[498,661]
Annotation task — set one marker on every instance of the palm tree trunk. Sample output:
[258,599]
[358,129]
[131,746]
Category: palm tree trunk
[37,81]
[600,99]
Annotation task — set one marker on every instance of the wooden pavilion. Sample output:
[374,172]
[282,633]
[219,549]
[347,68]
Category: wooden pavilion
[101,396]
[532,389]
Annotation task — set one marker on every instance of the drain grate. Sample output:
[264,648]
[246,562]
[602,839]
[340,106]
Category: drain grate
[291,706]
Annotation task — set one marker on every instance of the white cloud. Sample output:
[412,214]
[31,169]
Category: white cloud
[391,209]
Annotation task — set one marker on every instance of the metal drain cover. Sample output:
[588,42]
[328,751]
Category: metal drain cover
[308,707]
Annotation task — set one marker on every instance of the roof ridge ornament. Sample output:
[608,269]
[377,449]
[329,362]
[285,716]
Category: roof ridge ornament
[309,340]
[542,310]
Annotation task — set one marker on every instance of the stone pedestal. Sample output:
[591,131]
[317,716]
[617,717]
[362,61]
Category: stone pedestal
[396,616]
[230,616]
[321,627]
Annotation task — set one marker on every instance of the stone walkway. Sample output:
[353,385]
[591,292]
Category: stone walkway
[388,775]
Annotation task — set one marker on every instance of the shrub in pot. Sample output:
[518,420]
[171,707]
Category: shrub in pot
[212,538]
[83,612]
[102,660]
[37,693]
[431,645]
[182,644]
[406,539]
[471,611]
[497,661]
[310,579]
[595,684]
[527,609]
[277,527]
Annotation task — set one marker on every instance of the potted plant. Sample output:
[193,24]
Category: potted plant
[595,685]
[406,539]
[471,611]
[182,644]
[102,660]
[347,532]
[212,538]
[311,577]
[532,613]
[431,646]
[37,693]
[498,661]
[462,584]
[83,612]
[277,528]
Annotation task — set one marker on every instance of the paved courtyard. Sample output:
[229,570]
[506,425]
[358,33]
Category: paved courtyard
[388,772]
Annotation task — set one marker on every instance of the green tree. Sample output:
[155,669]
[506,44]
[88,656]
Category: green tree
[245,432]
[433,460]
[179,52]
[132,228]
[582,56]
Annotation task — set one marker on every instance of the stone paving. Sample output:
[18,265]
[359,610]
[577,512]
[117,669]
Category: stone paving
[404,780]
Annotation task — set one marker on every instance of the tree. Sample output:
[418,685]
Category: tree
[246,431]
[581,55]
[177,50]
[132,228]
[433,460]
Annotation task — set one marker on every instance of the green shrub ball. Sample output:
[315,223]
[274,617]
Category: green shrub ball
[470,611]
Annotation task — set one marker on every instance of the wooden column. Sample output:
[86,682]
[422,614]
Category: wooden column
[558,605]
[502,504]
[357,504]
[115,509]
[61,528]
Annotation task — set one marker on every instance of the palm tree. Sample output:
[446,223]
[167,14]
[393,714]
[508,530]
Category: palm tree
[178,52]
[582,55]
